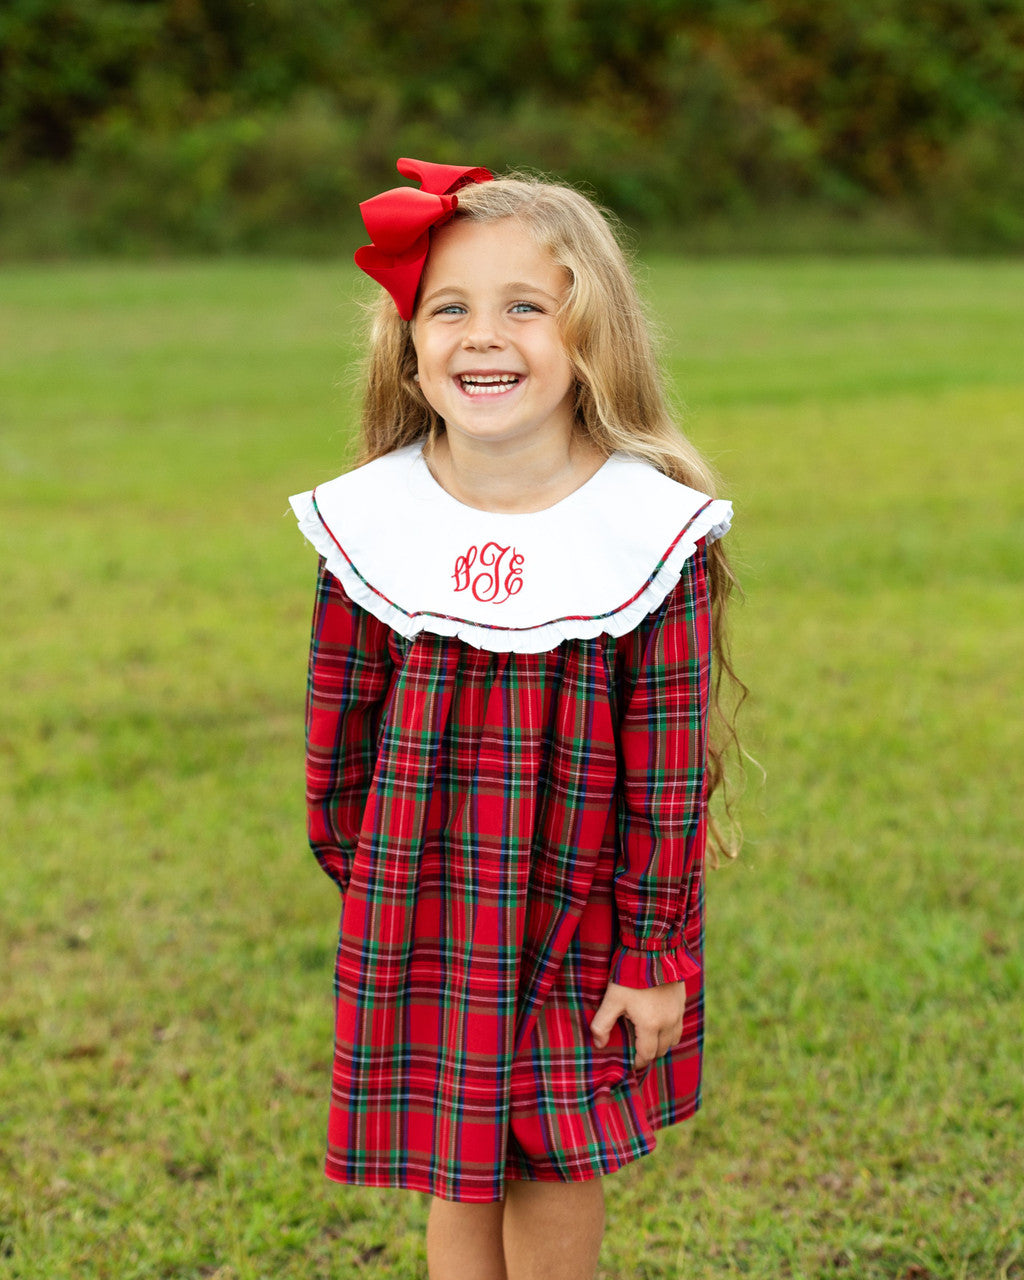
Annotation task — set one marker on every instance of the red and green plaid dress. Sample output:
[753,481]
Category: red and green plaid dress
[509,831]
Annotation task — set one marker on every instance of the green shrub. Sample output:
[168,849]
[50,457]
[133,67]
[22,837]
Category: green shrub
[225,125]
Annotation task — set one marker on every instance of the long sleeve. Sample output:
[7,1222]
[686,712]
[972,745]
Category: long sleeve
[349,676]
[664,680]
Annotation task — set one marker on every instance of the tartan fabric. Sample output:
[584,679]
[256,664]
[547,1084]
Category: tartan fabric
[507,831]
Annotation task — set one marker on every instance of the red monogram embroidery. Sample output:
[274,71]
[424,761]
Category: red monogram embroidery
[500,574]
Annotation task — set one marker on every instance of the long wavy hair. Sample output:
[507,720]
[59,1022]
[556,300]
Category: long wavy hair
[620,398]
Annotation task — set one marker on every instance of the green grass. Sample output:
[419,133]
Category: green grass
[167,940]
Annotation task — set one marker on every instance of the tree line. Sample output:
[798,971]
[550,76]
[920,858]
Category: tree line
[258,124]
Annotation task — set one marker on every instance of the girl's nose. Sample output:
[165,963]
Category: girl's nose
[482,333]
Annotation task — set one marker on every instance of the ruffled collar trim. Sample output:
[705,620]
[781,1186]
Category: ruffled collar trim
[595,563]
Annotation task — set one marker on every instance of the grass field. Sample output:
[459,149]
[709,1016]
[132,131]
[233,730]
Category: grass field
[167,940]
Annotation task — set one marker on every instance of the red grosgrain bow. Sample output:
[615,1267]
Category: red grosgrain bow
[399,222]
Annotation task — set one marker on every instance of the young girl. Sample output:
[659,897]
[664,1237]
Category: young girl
[508,761]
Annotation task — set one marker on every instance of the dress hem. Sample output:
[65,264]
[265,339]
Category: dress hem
[610,1163]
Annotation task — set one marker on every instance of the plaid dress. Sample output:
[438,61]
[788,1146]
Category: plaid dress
[508,831]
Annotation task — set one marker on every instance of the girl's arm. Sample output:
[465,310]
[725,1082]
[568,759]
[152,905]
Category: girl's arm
[349,676]
[659,886]
[663,801]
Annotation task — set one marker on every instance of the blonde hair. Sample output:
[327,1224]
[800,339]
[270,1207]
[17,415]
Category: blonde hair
[621,402]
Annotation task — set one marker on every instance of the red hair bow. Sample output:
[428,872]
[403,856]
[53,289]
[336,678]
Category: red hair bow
[400,220]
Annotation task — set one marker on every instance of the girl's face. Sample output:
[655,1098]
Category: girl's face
[489,351]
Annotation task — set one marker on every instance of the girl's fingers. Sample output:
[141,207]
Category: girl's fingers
[661,1041]
[646,1046]
[602,1022]
[655,1015]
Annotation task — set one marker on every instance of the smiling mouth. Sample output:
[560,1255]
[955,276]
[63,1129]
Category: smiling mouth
[488,384]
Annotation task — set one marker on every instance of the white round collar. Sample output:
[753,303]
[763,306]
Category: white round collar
[596,562]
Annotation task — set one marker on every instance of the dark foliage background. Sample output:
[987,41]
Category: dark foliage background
[216,125]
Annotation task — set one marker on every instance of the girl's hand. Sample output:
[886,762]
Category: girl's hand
[655,1012]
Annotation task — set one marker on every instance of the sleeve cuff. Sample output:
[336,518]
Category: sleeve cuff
[637,967]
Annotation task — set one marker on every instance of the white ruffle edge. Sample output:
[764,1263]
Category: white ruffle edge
[712,523]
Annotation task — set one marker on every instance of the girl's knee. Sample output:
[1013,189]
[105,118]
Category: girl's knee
[557,1199]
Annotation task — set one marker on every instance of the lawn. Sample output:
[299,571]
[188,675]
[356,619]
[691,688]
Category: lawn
[167,939]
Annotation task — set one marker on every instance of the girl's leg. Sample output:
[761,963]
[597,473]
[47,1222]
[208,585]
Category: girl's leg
[553,1230]
[464,1241]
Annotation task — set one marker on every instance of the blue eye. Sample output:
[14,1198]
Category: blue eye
[450,309]
[524,306]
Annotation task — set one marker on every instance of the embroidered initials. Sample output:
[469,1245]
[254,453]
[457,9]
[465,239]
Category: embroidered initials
[499,574]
